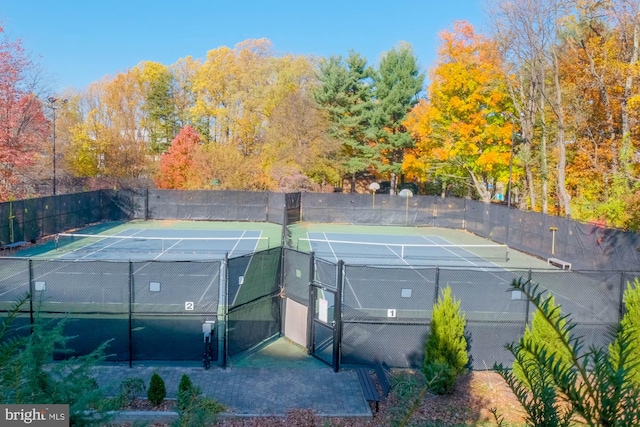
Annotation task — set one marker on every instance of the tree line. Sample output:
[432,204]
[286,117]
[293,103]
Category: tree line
[540,112]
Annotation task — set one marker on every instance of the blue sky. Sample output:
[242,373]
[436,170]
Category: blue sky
[80,41]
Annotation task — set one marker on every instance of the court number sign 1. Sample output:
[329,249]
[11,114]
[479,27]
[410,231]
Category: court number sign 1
[189,306]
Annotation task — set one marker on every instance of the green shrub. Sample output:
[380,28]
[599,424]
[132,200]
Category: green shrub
[446,356]
[129,390]
[591,387]
[441,376]
[157,390]
[184,391]
[185,383]
[29,376]
[542,333]
[630,324]
[195,410]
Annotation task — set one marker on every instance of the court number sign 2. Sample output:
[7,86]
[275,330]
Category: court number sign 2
[189,306]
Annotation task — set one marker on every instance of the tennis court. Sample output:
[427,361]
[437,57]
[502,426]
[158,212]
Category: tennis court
[402,275]
[428,250]
[160,245]
[83,268]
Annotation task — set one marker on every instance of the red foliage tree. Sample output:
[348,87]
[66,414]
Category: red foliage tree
[23,126]
[177,164]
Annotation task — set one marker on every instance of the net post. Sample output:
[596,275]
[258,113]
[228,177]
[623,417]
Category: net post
[56,241]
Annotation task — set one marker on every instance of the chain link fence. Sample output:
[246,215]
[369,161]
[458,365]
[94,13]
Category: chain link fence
[151,310]
[253,299]
[27,220]
[387,311]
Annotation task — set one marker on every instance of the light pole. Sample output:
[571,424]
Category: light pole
[54,106]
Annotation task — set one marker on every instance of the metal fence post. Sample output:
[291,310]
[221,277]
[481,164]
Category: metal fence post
[337,316]
[225,313]
[526,308]
[130,314]
[311,308]
[621,308]
[146,204]
[31,293]
[435,297]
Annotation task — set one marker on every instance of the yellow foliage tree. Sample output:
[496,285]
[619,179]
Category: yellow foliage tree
[463,132]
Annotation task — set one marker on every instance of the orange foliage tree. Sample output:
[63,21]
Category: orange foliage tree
[177,164]
[462,131]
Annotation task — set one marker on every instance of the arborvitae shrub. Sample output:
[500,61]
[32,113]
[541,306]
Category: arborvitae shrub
[543,334]
[445,356]
[630,324]
[184,391]
[157,390]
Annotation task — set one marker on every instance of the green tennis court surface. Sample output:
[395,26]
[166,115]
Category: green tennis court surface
[159,240]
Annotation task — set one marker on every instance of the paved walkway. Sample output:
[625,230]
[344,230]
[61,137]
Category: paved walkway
[251,391]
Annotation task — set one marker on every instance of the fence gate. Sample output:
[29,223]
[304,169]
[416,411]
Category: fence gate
[323,325]
[297,275]
[325,320]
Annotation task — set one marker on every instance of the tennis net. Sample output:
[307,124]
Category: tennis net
[75,242]
[349,248]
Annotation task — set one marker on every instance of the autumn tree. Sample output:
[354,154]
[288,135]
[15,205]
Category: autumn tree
[397,84]
[345,93]
[522,33]
[602,45]
[23,126]
[110,132]
[177,164]
[231,87]
[216,167]
[299,152]
[464,130]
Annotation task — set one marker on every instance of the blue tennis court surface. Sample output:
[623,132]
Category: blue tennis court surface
[163,245]
[423,250]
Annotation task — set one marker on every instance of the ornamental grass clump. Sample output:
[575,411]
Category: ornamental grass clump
[195,410]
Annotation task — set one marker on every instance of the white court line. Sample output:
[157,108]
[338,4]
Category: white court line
[204,293]
[237,243]
[330,246]
[40,276]
[233,302]
[167,250]
[468,260]
[104,247]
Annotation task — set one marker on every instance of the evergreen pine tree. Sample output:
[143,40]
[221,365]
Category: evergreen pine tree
[446,356]
[345,94]
[396,87]
[157,390]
